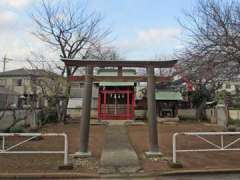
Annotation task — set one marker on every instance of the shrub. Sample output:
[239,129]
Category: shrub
[234,122]
[16,130]
[48,116]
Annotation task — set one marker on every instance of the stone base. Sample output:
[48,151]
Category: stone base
[153,154]
[66,167]
[107,170]
[129,169]
[169,120]
[175,165]
[121,169]
[81,155]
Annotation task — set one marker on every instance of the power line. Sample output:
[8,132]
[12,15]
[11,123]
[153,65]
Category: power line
[19,60]
[5,60]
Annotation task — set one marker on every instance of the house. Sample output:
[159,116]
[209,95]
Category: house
[231,87]
[24,83]
[121,100]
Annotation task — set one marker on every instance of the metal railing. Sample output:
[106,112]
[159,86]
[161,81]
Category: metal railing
[199,135]
[9,150]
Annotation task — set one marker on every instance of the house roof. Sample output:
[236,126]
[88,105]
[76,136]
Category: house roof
[114,72]
[168,96]
[6,91]
[23,72]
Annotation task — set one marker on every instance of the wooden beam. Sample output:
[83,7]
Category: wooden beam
[117,63]
[121,79]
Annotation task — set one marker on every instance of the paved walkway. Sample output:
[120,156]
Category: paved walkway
[118,155]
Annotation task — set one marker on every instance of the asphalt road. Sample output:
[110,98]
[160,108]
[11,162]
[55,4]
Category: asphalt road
[191,177]
[178,177]
[202,177]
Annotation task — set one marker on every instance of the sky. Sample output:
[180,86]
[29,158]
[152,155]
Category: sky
[141,29]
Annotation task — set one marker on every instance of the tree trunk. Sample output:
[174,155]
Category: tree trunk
[65,103]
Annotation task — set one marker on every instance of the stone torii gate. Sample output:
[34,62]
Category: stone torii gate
[89,78]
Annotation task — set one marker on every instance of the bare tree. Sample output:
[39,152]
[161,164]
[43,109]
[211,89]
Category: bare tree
[71,30]
[212,49]
[49,87]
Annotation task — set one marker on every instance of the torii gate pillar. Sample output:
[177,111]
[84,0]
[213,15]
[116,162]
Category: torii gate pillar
[86,114]
[151,114]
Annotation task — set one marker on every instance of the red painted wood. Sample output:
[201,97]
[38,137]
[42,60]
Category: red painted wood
[99,106]
[104,114]
[128,104]
[105,103]
[133,105]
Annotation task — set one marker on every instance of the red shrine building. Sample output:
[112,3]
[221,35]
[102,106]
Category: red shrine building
[116,100]
[121,100]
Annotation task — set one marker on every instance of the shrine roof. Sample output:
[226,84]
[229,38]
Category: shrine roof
[168,96]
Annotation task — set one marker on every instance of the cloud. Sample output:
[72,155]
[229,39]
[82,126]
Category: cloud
[7,18]
[20,46]
[151,41]
[16,3]
[158,35]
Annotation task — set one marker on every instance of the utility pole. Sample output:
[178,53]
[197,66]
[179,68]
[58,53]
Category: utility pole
[4,62]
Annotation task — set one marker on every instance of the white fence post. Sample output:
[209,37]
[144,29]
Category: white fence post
[9,150]
[215,146]
[174,148]
[65,149]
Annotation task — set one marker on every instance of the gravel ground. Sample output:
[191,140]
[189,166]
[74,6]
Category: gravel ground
[48,162]
[138,136]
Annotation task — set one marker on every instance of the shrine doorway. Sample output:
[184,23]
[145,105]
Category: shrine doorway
[116,103]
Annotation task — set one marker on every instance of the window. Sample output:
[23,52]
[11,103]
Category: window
[19,82]
[2,82]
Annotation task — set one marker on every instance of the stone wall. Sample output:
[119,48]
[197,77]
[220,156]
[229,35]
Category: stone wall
[186,114]
[21,116]
[76,113]
[211,115]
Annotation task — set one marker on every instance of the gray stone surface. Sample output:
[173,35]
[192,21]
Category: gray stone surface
[107,170]
[24,116]
[222,115]
[118,152]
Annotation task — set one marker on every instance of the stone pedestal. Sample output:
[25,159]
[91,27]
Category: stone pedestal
[222,115]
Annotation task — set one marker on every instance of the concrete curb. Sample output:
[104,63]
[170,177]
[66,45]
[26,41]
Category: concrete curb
[205,171]
[47,175]
[170,173]
[73,175]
